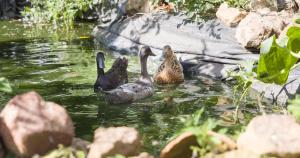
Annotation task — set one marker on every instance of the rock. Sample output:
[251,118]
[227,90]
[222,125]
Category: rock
[143,155]
[2,150]
[276,135]
[274,5]
[206,48]
[137,6]
[29,125]
[115,140]
[279,94]
[256,5]
[80,144]
[255,28]
[180,146]
[230,16]
[236,154]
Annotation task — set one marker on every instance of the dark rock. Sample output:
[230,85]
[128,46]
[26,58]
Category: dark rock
[29,125]
[195,43]
[12,8]
[2,150]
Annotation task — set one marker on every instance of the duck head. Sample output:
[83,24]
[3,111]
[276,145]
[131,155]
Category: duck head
[100,59]
[144,53]
[167,52]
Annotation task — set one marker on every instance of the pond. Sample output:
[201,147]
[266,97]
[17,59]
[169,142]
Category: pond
[60,65]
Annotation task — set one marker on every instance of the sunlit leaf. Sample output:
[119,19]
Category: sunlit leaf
[5,85]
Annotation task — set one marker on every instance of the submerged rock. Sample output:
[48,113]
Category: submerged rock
[29,125]
[180,146]
[276,135]
[230,16]
[115,140]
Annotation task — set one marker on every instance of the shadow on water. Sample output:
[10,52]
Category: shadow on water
[64,71]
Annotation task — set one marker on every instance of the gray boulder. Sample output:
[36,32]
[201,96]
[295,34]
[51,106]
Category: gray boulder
[274,5]
[207,48]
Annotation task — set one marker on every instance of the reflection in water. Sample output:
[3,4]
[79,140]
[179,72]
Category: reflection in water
[64,71]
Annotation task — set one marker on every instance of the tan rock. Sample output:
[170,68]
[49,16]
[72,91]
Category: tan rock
[137,6]
[274,5]
[143,155]
[276,135]
[115,140]
[235,154]
[255,28]
[230,16]
[180,146]
[29,125]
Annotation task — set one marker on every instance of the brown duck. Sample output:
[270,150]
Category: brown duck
[170,71]
[114,77]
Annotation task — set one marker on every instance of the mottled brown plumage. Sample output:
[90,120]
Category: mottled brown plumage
[170,71]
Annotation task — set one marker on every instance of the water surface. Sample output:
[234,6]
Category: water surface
[60,65]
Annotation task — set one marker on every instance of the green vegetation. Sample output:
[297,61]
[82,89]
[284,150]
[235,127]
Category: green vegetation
[200,128]
[57,11]
[65,152]
[5,85]
[294,107]
[198,10]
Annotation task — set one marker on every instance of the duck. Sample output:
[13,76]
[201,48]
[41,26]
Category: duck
[140,89]
[170,71]
[114,77]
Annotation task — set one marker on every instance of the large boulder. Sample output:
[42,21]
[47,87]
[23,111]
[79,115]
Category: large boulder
[29,125]
[276,135]
[2,150]
[230,16]
[274,5]
[255,28]
[115,140]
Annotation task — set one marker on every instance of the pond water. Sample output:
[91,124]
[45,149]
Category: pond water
[60,65]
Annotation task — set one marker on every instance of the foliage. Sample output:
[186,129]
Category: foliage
[200,128]
[65,152]
[198,10]
[5,85]
[275,61]
[294,107]
[57,11]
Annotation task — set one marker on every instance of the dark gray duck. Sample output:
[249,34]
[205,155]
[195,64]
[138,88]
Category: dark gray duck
[114,77]
[140,89]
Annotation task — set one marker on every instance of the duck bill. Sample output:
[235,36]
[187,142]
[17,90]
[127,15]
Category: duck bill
[152,54]
[101,64]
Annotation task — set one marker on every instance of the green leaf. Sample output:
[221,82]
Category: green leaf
[293,43]
[5,86]
[294,107]
[275,62]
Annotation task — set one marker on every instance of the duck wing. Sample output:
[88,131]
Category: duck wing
[128,93]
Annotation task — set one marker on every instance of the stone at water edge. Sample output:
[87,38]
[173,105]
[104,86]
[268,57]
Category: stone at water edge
[180,146]
[255,28]
[115,140]
[230,16]
[274,5]
[274,134]
[29,125]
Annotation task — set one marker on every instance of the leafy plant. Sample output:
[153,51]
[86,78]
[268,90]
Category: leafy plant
[197,10]
[201,128]
[294,107]
[57,11]
[65,152]
[5,85]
